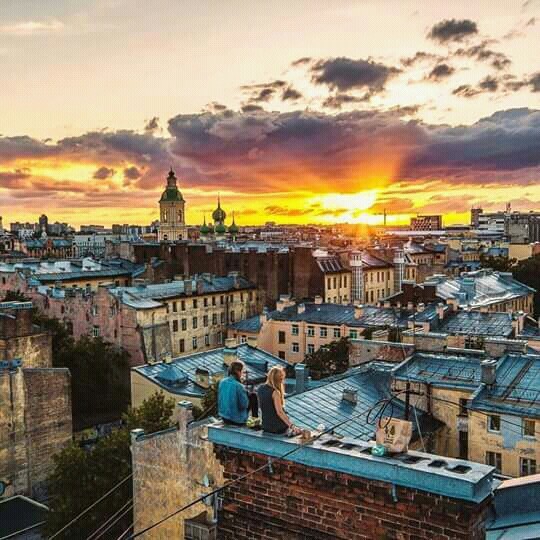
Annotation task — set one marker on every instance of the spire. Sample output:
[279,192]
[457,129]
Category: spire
[218,201]
[171,179]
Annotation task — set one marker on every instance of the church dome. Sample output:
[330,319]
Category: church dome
[171,193]
[220,228]
[204,229]
[233,229]
[219,215]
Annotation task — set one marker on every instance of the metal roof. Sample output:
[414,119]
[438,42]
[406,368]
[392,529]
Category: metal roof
[251,325]
[325,405]
[149,296]
[482,287]
[178,376]
[338,314]
[476,323]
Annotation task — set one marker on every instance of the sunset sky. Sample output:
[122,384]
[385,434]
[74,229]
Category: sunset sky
[295,112]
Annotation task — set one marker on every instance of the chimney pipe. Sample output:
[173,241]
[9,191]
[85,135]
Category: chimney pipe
[301,373]
[489,372]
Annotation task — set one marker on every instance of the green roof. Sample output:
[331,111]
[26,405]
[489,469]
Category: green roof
[172,194]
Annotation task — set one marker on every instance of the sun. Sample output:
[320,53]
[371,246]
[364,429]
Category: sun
[348,207]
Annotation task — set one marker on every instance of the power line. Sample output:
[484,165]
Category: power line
[27,529]
[128,509]
[98,532]
[262,467]
[86,510]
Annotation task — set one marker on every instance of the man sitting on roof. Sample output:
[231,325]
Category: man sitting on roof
[234,403]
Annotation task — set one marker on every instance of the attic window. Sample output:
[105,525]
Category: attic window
[438,464]
[460,469]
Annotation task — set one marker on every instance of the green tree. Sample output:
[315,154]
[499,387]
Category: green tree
[208,403]
[329,360]
[15,296]
[528,271]
[80,477]
[500,264]
[153,415]
[100,380]
[61,338]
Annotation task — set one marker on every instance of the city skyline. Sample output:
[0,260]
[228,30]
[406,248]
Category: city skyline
[295,115]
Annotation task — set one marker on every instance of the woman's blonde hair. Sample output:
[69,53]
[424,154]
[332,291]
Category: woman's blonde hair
[274,379]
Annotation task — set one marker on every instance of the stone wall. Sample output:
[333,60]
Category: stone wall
[171,469]
[35,424]
[295,502]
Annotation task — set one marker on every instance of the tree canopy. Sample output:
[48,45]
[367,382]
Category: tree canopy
[528,271]
[82,476]
[331,359]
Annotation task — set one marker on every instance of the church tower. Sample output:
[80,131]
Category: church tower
[172,224]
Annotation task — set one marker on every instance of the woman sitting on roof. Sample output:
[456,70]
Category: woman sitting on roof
[234,403]
[271,401]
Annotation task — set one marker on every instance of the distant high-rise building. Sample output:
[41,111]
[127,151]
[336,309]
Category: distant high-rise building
[43,224]
[172,225]
[475,217]
[426,223]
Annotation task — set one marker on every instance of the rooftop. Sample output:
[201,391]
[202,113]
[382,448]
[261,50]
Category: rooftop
[476,323]
[449,477]
[481,287]
[18,513]
[251,325]
[150,296]
[325,405]
[338,314]
[179,376]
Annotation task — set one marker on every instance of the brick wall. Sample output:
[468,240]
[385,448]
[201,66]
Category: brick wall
[295,502]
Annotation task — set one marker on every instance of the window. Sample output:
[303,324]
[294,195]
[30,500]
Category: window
[232,315]
[494,423]
[213,300]
[328,283]
[222,317]
[195,322]
[281,336]
[194,303]
[494,459]
[310,348]
[207,340]
[281,354]
[337,332]
[174,307]
[175,326]
[182,346]
[243,339]
[295,347]
[221,300]
[183,305]
[241,297]
[194,342]
[206,302]
[205,320]
[353,334]
[294,330]
[345,281]
[323,331]
[219,338]
[184,324]
[335,283]
[214,318]
[528,427]
[250,296]
[310,331]
[527,466]
[95,331]
[463,406]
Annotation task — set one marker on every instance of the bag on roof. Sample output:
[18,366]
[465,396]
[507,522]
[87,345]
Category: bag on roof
[394,434]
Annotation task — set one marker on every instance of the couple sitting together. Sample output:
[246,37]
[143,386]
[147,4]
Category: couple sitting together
[235,404]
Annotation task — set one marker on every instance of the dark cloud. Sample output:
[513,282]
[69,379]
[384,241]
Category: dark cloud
[453,30]
[483,53]
[532,81]
[302,61]
[440,72]
[249,108]
[420,56]
[505,141]
[103,172]
[152,125]
[264,92]
[132,173]
[275,210]
[466,91]
[489,84]
[344,74]
[290,94]
[337,101]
